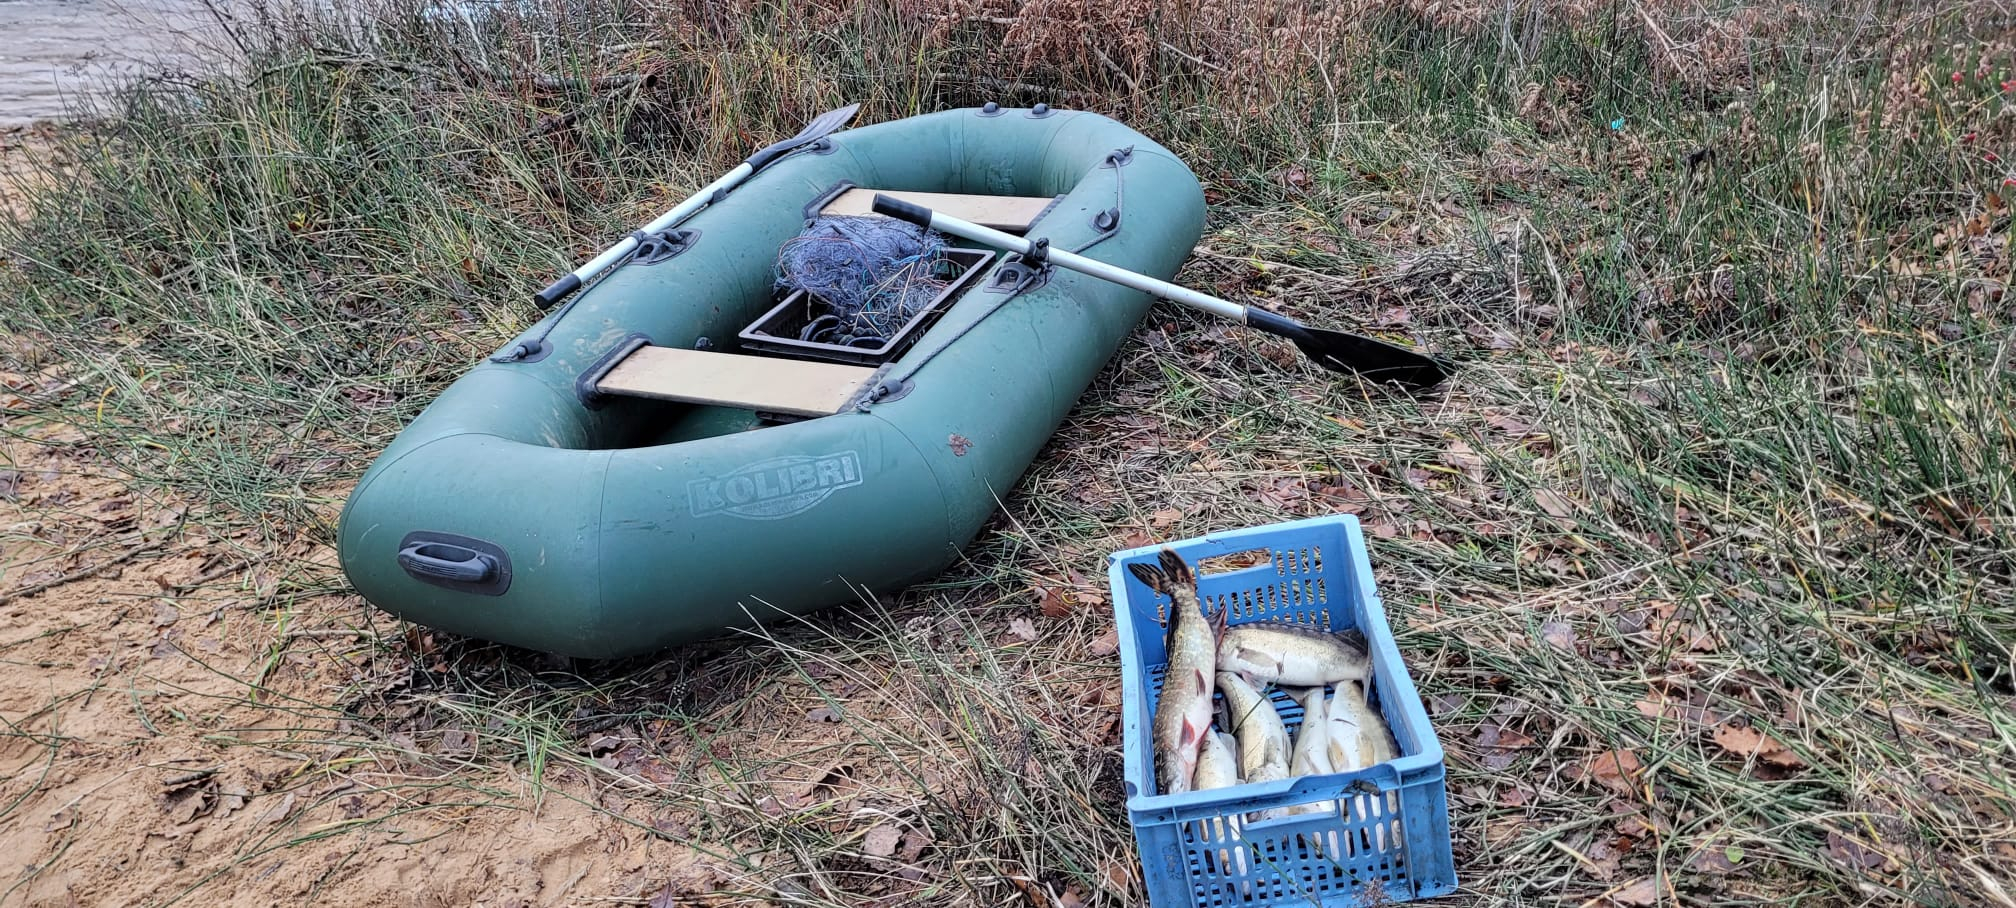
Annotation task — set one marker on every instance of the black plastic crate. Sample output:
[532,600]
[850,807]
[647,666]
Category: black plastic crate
[777,331]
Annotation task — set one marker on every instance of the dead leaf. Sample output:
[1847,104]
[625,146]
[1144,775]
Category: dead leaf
[1555,504]
[914,843]
[166,614]
[881,841]
[1022,629]
[1164,518]
[231,796]
[1118,877]
[1716,859]
[10,485]
[353,807]
[1745,741]
[1073,897]
[186,804]
[823,714]
[1853,853]
[1500,745]
[665,898]
[1559,635]
[277,812]
[1106,644]
[960,444]
[457,741]
[1617,770]
[1640,894]
[1053,602]
[1463,457]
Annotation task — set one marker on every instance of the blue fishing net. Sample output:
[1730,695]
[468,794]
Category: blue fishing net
[868,276]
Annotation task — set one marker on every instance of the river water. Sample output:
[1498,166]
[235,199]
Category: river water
[54,52]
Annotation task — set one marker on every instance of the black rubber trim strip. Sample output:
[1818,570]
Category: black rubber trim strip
[826,198]
[585,386]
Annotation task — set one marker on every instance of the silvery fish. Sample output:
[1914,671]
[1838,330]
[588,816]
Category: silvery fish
[1375,739]
[1218,767]
[1311,754]
[1292,655]
[1343,731]
[1183,710]
[1218,762]
[1263,740]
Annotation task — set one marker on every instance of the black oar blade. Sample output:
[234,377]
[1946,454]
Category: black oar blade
[827,122]
[1374,359]
[818,129]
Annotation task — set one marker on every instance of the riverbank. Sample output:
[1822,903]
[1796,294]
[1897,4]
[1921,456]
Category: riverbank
[1702,563]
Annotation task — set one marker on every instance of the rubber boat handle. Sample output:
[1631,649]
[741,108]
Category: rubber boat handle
[442,561]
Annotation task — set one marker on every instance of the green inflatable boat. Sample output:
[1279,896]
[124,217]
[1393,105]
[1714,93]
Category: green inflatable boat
[645,466]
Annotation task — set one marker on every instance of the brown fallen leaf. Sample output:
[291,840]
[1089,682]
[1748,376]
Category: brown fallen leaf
[1073,897]
[1642,893]
[1555,504]
[1460,455]
[1106,644]
[1022,629]
[881,841]
[277,812]
[1617,770]
[1558,634]
[1745,741]
[914,843]
[1053,602]
[822,714]
[1164,518]
[1117,877]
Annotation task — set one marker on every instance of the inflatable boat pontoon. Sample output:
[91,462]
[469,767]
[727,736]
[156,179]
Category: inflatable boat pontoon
[630,473]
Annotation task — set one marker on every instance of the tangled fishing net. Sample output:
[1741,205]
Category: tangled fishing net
[870,275]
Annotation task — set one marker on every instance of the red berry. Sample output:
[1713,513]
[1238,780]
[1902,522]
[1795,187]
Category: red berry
[1957,77]
[1990,157]
[1968,137]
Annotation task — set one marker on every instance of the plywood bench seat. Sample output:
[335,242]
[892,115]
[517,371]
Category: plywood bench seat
[1011,213]
[759,383]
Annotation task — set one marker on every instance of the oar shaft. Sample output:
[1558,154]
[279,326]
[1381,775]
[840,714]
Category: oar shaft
[945,223]
[679,212]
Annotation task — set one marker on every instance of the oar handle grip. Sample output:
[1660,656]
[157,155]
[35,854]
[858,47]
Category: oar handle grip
[901,210]
[554,291]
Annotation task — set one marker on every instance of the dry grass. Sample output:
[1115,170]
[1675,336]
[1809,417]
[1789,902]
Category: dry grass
[1702,565]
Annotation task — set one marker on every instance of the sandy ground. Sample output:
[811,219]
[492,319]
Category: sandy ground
[119,692]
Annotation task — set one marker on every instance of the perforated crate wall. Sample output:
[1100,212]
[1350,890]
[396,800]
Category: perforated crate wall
[1386,826]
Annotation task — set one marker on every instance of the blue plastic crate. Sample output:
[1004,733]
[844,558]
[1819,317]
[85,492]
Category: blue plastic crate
[1389,829]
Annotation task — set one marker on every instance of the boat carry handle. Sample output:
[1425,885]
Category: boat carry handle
[455,562]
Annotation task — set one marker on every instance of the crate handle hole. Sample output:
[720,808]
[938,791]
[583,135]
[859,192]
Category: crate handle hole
[1234,561]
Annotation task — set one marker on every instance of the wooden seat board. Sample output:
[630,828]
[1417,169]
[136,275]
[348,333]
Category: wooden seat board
[1012,213]
[760,383]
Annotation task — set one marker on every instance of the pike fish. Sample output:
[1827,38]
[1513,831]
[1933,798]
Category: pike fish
[1183,710]
[1292,655]
[1263,740]
[1311,755]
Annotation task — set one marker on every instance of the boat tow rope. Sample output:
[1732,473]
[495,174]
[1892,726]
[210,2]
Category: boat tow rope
[1038,269]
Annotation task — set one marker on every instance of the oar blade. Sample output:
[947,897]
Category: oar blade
[1375,360]
[827,122]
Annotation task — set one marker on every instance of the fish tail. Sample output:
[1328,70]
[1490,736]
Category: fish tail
[1152,576]
[1176,569]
